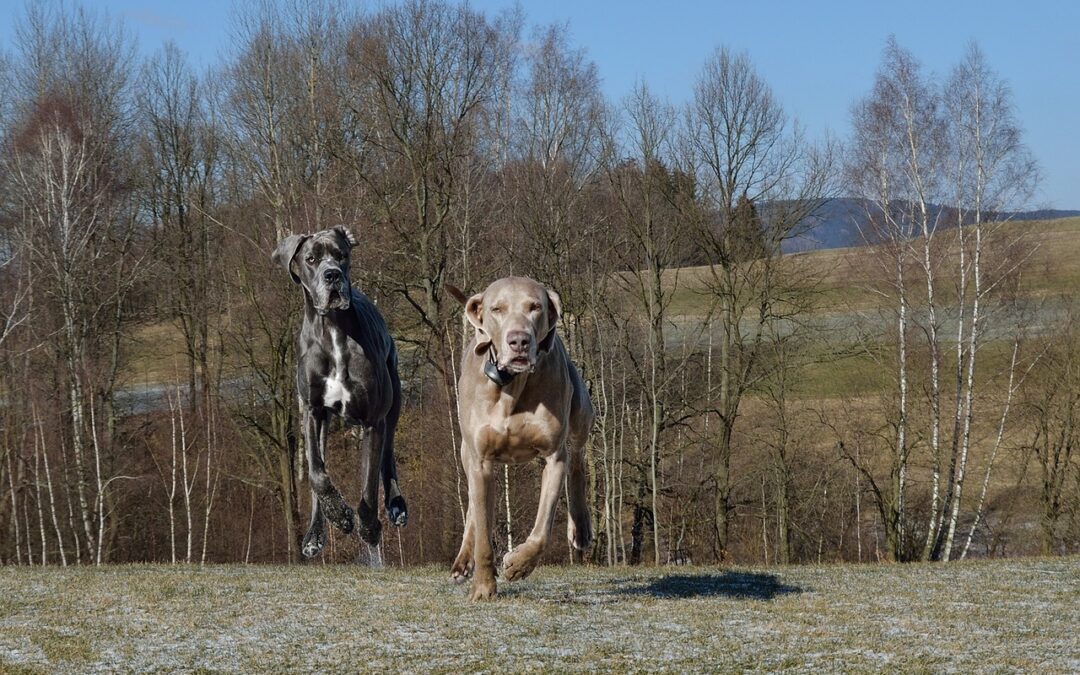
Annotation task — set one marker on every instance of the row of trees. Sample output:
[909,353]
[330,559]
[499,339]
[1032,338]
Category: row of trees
[148,406]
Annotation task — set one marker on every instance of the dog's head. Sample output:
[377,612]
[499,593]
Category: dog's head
[320,263]
[517,317]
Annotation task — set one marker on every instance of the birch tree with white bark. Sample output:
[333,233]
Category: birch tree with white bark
[927,156]
[993,172]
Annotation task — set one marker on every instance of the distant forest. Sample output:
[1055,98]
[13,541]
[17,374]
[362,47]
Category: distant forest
[914,399]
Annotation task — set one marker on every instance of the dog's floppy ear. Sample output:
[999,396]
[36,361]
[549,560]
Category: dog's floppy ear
[286,250]
[554,311]
[474,312]
[347,234]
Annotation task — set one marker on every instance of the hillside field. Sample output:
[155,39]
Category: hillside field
[1052,267]
[979,616]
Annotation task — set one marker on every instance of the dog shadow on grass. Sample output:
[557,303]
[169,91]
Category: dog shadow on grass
[735,585]
[729,584]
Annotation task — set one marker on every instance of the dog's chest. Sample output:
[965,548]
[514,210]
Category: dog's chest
[336,392]
[519,437]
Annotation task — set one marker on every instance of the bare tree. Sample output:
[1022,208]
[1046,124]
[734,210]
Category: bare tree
[421,77]
[181,150]
[992,171]
[897,167]
[75,228]
[917,146]
[742,145]
[555,151]
[1052,407]
[652,200]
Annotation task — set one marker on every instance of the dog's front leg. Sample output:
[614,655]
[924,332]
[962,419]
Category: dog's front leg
[332,504]
[520,562]
[315,538]
[371,444]
[481,507]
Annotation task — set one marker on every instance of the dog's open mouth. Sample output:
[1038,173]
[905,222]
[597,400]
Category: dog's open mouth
[518,364]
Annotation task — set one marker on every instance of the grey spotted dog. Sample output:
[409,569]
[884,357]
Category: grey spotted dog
[346,366]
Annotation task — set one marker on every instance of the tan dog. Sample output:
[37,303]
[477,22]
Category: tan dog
[519,397]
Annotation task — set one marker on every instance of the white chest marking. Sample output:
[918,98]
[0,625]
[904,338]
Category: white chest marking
[335,391]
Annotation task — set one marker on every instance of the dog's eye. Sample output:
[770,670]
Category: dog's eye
[311,260]
[496,310]
[534,307]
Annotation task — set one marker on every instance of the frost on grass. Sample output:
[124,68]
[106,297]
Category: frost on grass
[978,616]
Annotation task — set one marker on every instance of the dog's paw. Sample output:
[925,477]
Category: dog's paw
[461,570]
[579,537]
[337,511]
[313,544]
[482,590]
[370,533]
[370,528]
[396,511]
[520,562]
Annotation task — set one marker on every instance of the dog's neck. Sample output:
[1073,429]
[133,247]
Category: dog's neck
[312,316]
[333,321]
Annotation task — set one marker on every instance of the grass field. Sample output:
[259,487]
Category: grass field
[985,616]
[1051,249]
[157,353]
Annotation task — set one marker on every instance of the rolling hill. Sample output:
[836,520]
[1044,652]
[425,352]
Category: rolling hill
[840,223]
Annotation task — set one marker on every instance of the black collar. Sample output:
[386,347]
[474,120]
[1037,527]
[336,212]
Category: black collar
[500,377]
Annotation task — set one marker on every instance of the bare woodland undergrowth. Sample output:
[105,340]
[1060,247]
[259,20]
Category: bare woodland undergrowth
[753,407]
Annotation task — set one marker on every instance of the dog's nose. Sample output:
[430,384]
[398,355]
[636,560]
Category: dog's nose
[332,276]
[518,341]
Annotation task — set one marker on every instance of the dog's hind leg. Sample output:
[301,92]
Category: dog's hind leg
[331,503]
[579,526]
[396,511]
[462,568]
[371,459]
[315,538]
[579,522]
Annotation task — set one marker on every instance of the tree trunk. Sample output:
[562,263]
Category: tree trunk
[289,508]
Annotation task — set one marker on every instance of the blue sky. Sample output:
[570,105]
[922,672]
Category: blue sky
[817,56]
